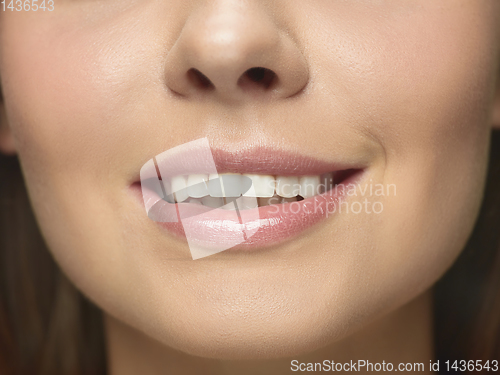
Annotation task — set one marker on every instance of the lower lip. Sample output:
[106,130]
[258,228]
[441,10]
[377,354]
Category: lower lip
[276,223]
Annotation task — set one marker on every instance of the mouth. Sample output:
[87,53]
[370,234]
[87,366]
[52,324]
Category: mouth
[249,190]
[219,200]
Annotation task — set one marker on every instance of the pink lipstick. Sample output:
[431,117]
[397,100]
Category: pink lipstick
[235,223]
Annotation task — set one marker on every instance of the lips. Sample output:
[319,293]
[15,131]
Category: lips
[238,223]
[197,157]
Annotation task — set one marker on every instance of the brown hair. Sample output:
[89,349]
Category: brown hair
[49,327]
[467,298]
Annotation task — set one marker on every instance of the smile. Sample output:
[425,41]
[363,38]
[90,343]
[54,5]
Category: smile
[201,195]
[216,190]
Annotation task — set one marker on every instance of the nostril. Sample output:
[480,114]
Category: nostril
[253,78]
[256,74]
[199,79]
[261,76]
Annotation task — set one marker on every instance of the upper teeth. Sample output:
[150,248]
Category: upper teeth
[234,185]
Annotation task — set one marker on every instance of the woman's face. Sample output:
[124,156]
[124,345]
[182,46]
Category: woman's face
[401,89]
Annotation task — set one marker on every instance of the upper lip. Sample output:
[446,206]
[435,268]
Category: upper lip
[254,160]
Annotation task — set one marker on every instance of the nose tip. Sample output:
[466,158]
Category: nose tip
[234,54]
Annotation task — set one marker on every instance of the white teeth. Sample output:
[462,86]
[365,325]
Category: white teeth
[247,203]
[230,203]
[287,186]
[197,185]
[232,184]
[243,203]
[212,202]
[309,186]
[215,186]
[179,185]
[194,201]
[217,190]
[263,186]
[225,185]
[167,185]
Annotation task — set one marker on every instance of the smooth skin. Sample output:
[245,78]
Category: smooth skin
[94,89]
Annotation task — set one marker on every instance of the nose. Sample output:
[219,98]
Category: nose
[232,51]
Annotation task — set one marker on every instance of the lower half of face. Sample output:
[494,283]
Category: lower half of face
[404,99]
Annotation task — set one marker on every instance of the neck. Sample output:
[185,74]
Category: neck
[402,336]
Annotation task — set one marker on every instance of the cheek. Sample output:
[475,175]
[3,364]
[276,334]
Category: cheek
[436,131]
[420,84]
[437,139]
[75,82]
[412,77]
[71,90]
[60,88]
[418,80]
